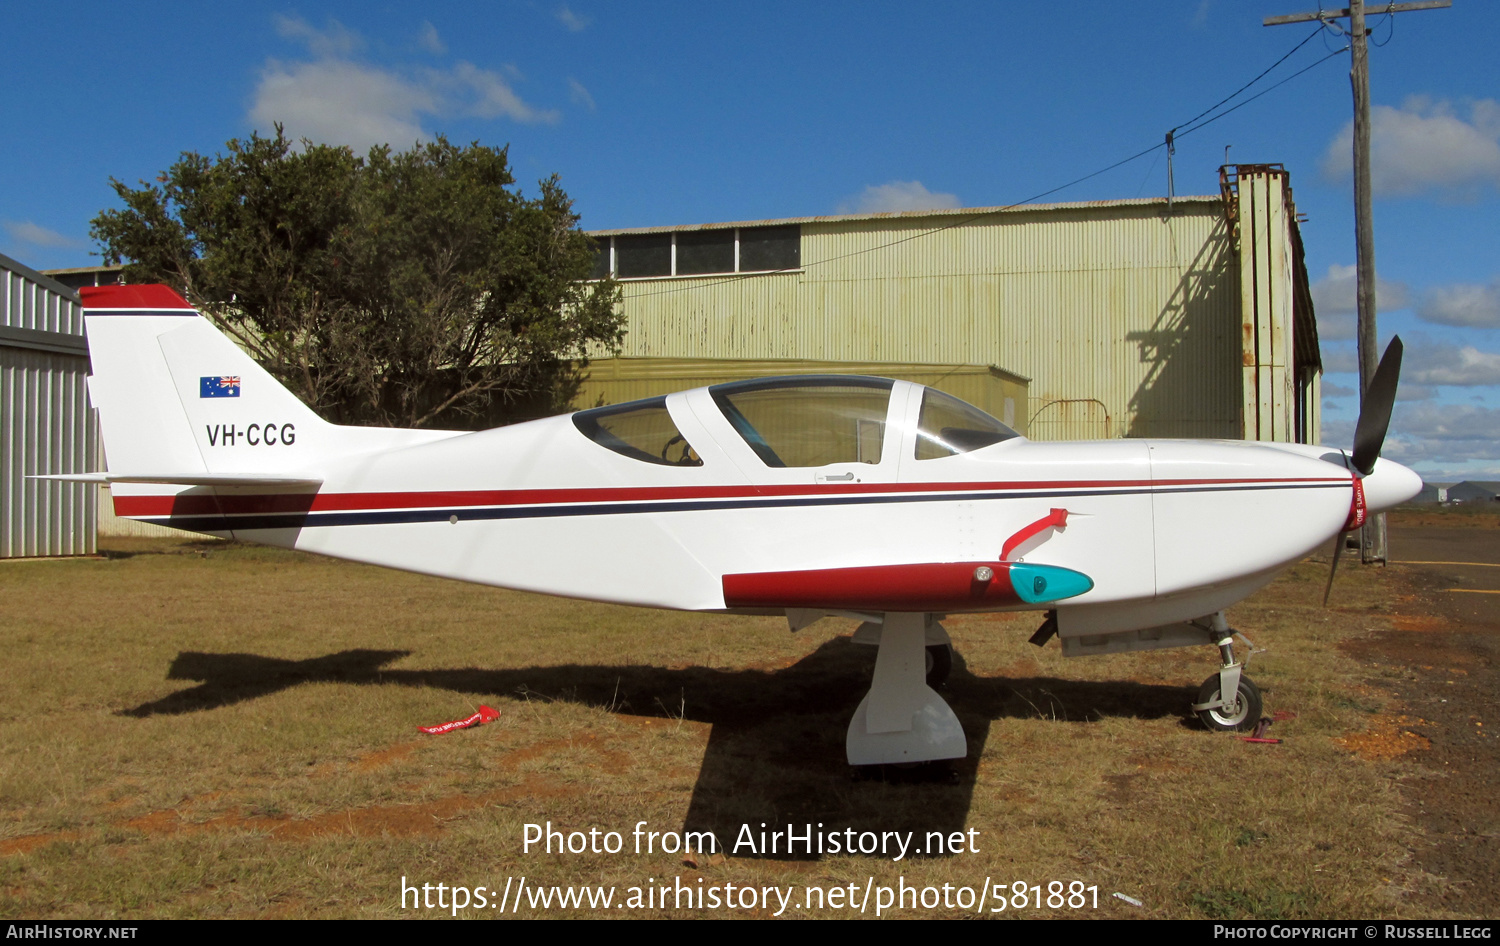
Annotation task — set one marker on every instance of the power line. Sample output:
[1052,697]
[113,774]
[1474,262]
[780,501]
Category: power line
[1390,34]
[1247,85]
[1257,95]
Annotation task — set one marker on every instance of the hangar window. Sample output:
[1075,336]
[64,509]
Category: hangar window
[641,430]
[643,254]
[698,252]
[770,248]
[705,251]
[948,426]
[808,421]
[603,266]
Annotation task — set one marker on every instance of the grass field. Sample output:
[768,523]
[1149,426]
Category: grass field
[213,730]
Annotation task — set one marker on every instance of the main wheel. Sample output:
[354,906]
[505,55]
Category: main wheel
[939,663]
[1242,716]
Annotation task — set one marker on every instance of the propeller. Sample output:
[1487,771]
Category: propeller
[1338,548]
[1375,412]
[1369,435]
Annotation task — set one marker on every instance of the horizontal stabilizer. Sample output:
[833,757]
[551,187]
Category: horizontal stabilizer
[186,479]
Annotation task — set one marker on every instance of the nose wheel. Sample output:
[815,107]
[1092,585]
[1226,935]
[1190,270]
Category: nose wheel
[939,664]
[1240,714]
[1228,701]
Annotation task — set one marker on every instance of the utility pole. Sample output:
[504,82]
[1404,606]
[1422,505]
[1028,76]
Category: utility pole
[1372,545]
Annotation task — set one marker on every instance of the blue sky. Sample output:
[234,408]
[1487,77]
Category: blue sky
[676,113]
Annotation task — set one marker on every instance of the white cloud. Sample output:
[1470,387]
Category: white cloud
[1335,300]
[897,196]
[485,94]
[1425,146]
[1415,392]
[580,95]
[25,231]
[337,100]
[342,103]
[572,20]
[1337,292]
[335,41]
[1200,18]
[1428,432]
[1450,364]
[1338,390]
[1340,359]
[1464,304]
[429,40]
[1337,326]
[1428,436]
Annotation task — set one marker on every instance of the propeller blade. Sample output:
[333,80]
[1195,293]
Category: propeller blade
[1375,412]
[1338,547]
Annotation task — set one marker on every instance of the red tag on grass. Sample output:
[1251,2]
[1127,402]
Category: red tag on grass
[486,714]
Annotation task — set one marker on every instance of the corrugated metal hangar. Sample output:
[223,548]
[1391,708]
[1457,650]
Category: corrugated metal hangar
[45,423]
[1138,318]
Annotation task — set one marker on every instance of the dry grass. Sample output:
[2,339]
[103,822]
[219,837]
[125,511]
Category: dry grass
[1474,515]
[215,730]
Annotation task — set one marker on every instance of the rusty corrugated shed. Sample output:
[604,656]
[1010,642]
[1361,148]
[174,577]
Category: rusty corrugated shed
[1280,363]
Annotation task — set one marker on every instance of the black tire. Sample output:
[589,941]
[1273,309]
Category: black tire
[939,664]
[1242,717]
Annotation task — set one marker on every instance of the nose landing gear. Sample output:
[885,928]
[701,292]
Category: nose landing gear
[1224,716]
[1240,709]
[902,719]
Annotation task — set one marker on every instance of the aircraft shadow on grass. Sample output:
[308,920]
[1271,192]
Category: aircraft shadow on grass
[776,747]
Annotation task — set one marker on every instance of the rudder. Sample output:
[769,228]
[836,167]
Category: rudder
[176,396]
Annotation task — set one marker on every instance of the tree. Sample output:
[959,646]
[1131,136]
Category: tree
[413,289]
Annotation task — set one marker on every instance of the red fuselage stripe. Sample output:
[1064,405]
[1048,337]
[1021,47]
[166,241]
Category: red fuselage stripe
[232,504]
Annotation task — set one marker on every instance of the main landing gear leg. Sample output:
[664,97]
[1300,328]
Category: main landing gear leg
[1241,709]
[902,719]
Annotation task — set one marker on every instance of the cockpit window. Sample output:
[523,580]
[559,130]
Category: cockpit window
[641,430]
[948,426]
[813,420]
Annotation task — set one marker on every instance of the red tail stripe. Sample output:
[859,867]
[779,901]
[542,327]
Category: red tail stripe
[131,297]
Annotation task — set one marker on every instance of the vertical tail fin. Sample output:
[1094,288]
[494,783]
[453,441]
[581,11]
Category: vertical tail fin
[176,397]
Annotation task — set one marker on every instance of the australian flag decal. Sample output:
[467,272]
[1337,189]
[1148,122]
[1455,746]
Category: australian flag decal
[227,386]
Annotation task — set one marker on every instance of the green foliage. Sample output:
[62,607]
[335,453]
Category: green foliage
[411,288]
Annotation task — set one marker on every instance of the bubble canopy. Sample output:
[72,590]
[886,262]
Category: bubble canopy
[799,421]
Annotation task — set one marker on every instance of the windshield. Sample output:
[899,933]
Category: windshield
[809,421]
[948,426]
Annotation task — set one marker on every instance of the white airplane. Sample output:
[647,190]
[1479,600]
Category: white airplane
[806,496]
